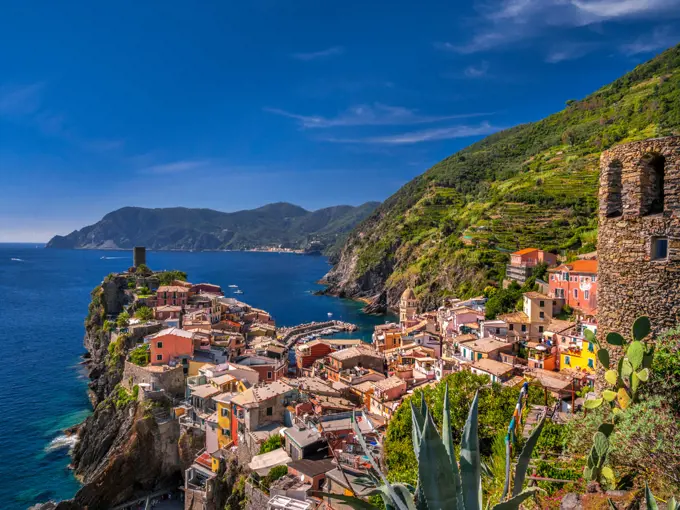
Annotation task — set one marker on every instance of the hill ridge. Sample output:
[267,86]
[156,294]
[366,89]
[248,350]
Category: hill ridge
[279,224]
[448,231]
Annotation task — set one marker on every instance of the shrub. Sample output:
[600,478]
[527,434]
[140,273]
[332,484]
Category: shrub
[140,355]
[144,313]
[123,320]
[272,443]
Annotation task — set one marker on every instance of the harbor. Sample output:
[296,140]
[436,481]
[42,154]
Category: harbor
[308,331]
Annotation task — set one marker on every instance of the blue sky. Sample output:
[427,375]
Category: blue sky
[231,105]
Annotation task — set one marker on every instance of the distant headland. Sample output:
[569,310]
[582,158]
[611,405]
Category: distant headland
[273,227]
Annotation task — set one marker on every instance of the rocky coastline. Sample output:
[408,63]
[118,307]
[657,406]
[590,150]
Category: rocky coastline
[123,449]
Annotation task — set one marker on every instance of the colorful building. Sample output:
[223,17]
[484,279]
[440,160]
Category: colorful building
[578,354]
[576,283]
[306,354]
[174,295]
[226,425]
[169,344]
[523,262]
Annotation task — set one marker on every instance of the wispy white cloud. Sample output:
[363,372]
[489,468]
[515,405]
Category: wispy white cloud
[426,135]
[662,37]
[20,100]
[477,71]
[176,167]
[315,55]
[370,115]
[25,105]
[569,51]
[501,22]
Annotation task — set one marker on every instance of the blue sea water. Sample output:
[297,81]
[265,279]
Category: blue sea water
[43,301]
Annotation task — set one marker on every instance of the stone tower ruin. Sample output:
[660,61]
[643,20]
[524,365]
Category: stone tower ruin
[638,243]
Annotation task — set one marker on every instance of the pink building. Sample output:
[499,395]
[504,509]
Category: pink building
[174,295]
[169,344]
[522,263]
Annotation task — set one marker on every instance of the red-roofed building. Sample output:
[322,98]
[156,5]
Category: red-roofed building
[576,283]
[522,263]
[174,295]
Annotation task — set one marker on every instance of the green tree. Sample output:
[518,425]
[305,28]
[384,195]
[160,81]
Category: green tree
[143,270]
[123,320]
[167,277]
[140,355]
[144,313]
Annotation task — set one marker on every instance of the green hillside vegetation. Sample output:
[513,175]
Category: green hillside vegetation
[449,231]
[180,228]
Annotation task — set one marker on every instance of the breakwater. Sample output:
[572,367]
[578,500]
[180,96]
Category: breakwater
[291,335]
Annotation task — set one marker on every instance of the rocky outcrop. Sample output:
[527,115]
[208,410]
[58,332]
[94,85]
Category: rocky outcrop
[105,373]
[125,448]
[123,452]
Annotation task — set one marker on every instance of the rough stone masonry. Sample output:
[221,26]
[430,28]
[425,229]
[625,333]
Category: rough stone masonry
[639,235]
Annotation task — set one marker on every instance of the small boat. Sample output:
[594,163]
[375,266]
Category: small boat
[330,314]
[238,291]
[232,286]
[14,259]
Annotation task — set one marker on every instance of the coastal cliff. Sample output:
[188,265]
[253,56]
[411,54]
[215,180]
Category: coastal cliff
[126,447]
[449,231]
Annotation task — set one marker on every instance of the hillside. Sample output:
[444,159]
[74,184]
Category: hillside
[449,230]
[180,228]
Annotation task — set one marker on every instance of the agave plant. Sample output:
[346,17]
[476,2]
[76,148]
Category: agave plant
[444,482]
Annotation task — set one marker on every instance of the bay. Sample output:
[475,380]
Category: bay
[43,301]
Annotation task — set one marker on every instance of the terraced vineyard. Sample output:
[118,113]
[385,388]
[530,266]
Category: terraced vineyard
[448,232]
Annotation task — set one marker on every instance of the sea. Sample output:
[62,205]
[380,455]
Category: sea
[44,295]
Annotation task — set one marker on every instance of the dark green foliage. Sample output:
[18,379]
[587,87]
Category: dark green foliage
[272,443]
[665,379]
[121,397]
[123,320]
[449,231]
[496,406]
[144,313]
[274,474]
[140,355]
[167,277]
[143,270]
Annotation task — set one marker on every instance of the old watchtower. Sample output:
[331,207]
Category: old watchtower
[639,235]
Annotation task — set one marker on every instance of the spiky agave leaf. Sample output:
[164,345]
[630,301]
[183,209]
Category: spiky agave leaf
[360,437]
[649,499]
[470,461]
[514,502]
[525,457]
[403,493]
[435,474]
[447,439]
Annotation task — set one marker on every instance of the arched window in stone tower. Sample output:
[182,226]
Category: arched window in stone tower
[652,182]
[614,190]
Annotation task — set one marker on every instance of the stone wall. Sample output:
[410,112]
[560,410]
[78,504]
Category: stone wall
[255,498]
[170,380]
[631,282]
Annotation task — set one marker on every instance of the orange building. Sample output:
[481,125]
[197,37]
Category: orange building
[576,283]
[170,344]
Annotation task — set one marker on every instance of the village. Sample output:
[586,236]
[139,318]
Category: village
[286,400]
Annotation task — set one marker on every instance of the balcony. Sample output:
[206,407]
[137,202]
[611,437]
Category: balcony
[518,273]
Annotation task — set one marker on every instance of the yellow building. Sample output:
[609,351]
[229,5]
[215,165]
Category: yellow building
[225,431]
[580,355]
